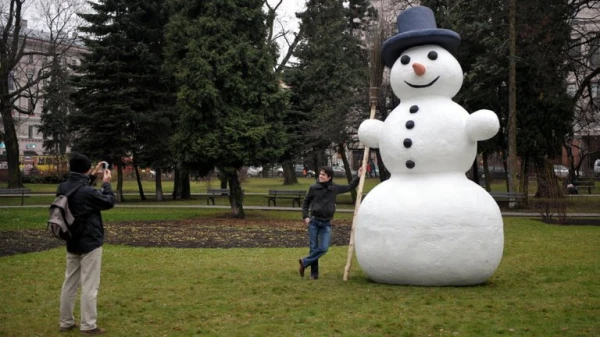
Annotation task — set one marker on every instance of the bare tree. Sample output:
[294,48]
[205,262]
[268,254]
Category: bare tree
[25,59]
[584,86]
[281,33]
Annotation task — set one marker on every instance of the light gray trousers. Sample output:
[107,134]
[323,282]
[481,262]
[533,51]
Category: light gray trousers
[85,270]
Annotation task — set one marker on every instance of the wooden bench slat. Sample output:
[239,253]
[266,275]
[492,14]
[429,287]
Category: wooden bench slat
[295,195]
[504,198]
[12,192]
[213,193]
[586,183]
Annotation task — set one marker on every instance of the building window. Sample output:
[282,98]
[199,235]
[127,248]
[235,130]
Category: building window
[571,89]
[11,81]
[595,52]
[30,133]
[575,50]
[595,89]
[30,73]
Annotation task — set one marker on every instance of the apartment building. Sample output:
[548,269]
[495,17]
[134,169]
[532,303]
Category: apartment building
[28,69]
[586,51]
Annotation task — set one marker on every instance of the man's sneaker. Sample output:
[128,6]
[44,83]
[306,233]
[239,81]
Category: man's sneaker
[93,332]
[69,328]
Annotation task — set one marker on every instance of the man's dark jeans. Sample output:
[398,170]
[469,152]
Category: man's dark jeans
[319,233]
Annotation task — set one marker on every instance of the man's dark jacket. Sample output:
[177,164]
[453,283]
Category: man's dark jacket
[85,205]
[321,199]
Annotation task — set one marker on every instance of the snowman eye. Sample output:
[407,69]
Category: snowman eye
[405,59]
[432,55]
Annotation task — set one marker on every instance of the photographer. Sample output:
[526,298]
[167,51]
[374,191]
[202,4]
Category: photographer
[84,249]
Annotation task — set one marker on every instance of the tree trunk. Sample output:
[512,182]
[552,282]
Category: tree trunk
[486,172]
[348,171]
[546,179]
[120,197]
[512,100]
[475,172]
[15,179]
[524,184]
[383,172]
[158,184]
[236,197]
[289,174]
[184,184]
[176,191]
[139,182]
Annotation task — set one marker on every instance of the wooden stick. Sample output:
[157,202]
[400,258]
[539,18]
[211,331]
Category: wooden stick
[361,184]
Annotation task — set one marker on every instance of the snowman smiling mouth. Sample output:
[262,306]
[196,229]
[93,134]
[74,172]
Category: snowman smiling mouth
[423,85]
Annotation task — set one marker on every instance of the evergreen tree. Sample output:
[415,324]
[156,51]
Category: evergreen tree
[154,89]
[122,96]
[229,101]
[57,106]
[330,80]
[544,110]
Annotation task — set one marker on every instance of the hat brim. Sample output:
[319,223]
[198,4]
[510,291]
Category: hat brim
[394,46]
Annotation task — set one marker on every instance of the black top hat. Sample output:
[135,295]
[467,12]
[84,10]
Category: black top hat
[416,26]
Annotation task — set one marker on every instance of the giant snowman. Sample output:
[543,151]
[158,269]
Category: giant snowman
[428,224]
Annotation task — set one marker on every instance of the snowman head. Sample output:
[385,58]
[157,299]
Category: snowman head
[424,71]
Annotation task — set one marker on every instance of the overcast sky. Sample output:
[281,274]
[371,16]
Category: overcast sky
[286,14]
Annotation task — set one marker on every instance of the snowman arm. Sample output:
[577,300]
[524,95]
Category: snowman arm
[369,132]
[482,125]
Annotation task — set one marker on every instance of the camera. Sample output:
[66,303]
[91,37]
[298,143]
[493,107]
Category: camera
[105,166]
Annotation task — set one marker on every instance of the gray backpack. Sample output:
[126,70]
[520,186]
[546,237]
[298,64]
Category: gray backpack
[61,219]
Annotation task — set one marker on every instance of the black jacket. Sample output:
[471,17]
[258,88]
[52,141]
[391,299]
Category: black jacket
[321,199]
[85,205]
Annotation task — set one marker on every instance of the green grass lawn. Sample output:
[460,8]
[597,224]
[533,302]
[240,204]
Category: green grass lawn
[250,185]
[546,285]
[35,218]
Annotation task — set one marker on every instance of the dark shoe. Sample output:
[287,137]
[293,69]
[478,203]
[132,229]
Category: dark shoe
[301,268]
[93,332]
[69,328]
[314,277]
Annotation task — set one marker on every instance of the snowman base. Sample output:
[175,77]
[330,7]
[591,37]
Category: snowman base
[445,232]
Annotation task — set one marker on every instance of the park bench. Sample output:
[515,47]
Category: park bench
[586,183]
[505,198]
[213,193]
[296,196]
[15,192]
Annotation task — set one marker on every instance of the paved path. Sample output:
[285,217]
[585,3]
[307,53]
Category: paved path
[297,209]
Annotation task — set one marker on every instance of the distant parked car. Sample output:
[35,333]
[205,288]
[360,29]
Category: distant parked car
[597,167]
[254,171]
[562,172]
[339,171]
[298,170]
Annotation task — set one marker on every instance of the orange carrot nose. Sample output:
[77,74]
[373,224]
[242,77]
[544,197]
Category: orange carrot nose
[418,68]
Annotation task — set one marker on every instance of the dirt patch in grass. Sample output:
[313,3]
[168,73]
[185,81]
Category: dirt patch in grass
[193,233]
